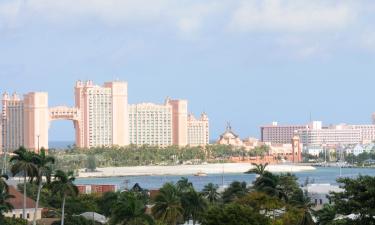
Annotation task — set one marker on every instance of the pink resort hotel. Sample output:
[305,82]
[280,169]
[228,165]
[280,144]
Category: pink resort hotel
[101,117]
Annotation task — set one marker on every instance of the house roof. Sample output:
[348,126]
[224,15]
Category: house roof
[17,201]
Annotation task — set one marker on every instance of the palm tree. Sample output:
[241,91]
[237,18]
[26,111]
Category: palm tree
[129,209]
[167,206]
[326,215]
[43,162]
[236,190]
[304,204]
[5,206]
[23,163]
[259,169]
[193,204]
[63,185]
[269,183]
[184,185]
[210,193]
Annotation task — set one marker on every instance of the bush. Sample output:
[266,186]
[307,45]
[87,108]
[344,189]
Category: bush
[15,221]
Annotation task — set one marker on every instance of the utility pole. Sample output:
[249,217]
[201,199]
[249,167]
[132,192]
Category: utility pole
[38,142]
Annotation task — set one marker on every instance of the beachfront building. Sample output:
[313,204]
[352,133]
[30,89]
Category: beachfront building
[230,138]
[198,130]
[279,134]
[367,132]
[103,111]
[150,124]
[335,135]
[100,117]
[276,151]
[24,121]
[12,122]
[167,124]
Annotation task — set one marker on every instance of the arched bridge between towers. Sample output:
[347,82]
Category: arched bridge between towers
[68,113]
[64,113]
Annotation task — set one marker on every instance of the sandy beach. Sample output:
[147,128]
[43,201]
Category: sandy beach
[187,170]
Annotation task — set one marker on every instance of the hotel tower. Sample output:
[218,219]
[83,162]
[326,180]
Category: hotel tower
[101,117]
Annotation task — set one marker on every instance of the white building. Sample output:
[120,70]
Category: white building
[150,124]
[316,135]
[313,150]
[318,193]
[198,130]
[12,122]
[17,203]
[167,124]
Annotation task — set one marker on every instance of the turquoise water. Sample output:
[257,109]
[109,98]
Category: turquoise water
[320,175]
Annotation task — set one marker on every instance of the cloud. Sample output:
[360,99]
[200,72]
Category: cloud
[9,12]
[185,17]
[292,16]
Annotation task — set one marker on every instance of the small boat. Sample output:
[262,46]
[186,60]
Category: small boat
[200,174]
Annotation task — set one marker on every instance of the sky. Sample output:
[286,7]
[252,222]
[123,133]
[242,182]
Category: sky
[244,62]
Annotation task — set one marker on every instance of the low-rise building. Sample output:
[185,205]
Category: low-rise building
[318,193]
[96,188]
[17,203]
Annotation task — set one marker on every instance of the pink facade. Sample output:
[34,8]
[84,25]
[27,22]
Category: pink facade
[100,117]
[179,125]
[25,122]
[102,110]
[36,122]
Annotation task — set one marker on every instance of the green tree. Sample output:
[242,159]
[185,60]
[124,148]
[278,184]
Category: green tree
[358,198]
[43,165]
[106,202]
[259,169]
[210,193]
[262,203]
[130,210]
[194,204]
[5,206]
[269,183]
[14,221]
[326,215]
[289,186]
[184,185]
[233,214]
[167,206]
[91,162]
[303,203]
[236,190]
[22,162]
[63,185]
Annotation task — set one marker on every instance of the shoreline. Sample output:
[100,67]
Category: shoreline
[183,170]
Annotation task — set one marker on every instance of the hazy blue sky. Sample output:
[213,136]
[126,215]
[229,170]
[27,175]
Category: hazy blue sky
[248,62]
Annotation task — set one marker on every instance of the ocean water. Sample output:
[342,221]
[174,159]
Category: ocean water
[60,144]
[320,175]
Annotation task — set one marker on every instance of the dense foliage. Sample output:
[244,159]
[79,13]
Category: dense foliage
[132,155]
[272,199]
